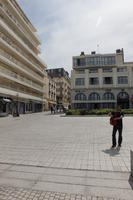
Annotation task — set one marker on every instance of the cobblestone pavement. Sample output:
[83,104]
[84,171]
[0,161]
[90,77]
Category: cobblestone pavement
[9,193]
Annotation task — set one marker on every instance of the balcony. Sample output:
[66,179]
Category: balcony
[25,20]
[17,54]
[18,34]
[14,20]
[20,66]
[11,91]
[8,29]
[15,37]
[9,42]
[20,79]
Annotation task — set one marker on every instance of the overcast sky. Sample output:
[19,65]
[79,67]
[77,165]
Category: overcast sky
[67,27]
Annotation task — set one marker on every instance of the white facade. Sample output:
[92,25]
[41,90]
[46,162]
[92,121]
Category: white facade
[22,73]
[101,80]
[51,92]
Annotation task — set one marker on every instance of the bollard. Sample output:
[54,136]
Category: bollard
[131,156]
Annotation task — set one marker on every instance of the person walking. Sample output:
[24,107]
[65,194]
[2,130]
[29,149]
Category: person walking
[117,122]
[51,108]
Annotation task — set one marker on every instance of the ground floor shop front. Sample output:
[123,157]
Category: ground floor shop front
[17,107]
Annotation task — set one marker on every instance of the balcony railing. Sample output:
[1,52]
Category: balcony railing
[9,41]
[20,78]
[11,58]
[17,24]
[26,20]
[24,44]
[16,89]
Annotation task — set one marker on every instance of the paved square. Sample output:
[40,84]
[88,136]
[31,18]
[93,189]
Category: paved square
[64,142]
[45,156]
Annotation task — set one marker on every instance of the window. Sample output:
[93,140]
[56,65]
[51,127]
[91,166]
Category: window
[80,97]
[93,60]
[105,60]
[97,60]
[108,96]
[122,80]
[122,69]
[94,81]
[107,69]
[111,60]
[107,80]
[79,81]
[102,60]
[108,60]
[79,62]
[94,96]
[74,62]
[123,95]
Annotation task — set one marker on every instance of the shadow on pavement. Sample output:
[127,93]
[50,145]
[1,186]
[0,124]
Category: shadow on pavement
[112,151]
[131,181]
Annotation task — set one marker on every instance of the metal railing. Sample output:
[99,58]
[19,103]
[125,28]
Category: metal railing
[11,58]
[18,89]
[21,78]
[9,41]
[17,24]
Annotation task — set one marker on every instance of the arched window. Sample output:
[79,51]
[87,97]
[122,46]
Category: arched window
[80,97]
[94,96]
[108,96]
[123,95]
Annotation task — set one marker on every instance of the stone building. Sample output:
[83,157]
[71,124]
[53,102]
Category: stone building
[51,92]
[61,77]
[22,73]
[101,81]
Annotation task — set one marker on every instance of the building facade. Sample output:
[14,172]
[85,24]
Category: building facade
[101,81]
[62,79]
[51,92]
[22,73]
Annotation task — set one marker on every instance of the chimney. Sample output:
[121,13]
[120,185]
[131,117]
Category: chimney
[118,51]
[82,53]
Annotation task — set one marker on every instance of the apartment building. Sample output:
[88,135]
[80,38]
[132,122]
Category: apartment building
[22,73]
[62,79]
[51,92]
[101,81]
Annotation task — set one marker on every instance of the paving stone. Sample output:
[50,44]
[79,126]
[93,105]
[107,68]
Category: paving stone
[73,142]
[39,195]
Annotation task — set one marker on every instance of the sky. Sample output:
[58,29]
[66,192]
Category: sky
[67,27]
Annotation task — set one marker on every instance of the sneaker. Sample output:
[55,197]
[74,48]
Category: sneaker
[119,145]
[113,146]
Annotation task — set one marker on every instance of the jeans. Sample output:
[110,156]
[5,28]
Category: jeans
[115,129]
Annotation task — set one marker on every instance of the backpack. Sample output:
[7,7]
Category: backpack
[112,121]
